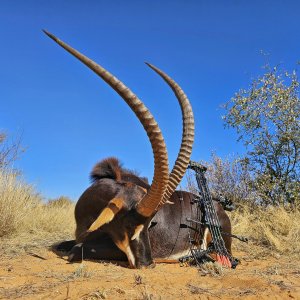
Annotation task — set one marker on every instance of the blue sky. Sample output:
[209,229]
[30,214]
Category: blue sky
[69,119]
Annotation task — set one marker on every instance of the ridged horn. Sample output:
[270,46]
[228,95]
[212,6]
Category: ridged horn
[161,170]
[187,140]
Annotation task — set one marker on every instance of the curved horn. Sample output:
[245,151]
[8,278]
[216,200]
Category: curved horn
[161,170]
[187,140]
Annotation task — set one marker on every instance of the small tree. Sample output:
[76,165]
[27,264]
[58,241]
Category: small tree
[231,178]
[9,150]
[267,119]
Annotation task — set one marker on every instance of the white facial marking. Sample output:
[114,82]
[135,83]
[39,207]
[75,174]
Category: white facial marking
[137,232]
[130,257]
[125,247]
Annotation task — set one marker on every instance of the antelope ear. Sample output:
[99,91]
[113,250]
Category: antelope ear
[107,214]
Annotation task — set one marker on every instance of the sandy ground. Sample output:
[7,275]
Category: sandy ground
[44,275]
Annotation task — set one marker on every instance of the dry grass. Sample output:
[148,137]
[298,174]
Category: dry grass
[212,269]
[274,228]
[27,219]
[196,290]
[98,294]
[82,272]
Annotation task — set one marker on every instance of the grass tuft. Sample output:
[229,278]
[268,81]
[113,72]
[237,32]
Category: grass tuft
[212,269]
[82,272]
[27,220]
[274,228]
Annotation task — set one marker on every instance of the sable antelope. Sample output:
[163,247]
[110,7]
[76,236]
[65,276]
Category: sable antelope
[120,215]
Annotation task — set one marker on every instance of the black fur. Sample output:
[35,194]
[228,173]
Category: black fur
[112,168]
[107,168]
